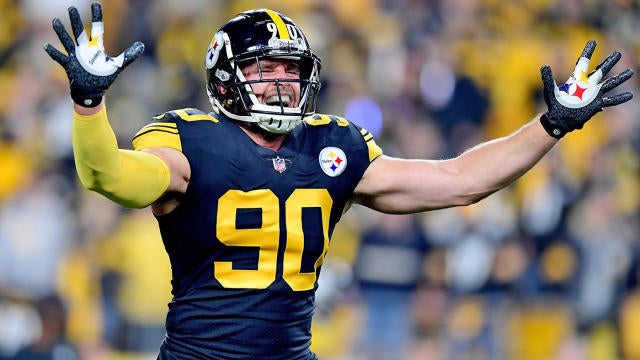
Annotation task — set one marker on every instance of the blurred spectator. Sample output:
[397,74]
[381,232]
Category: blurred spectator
[388,269]
[52,343]
[35,236]
[133,264]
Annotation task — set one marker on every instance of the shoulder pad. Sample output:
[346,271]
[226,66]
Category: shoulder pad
[186,114]
[323,119]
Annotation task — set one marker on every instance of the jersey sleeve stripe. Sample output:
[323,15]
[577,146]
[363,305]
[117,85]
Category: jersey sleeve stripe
[157,126]
[157,137]
[146,129]
[374,150]
[161,125]
[372,147]
[191,114]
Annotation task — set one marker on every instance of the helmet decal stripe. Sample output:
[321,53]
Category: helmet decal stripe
[282,27]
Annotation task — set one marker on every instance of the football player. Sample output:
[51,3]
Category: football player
[248,195]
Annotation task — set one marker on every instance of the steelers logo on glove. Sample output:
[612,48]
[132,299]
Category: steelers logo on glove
[571,105]
[89,69]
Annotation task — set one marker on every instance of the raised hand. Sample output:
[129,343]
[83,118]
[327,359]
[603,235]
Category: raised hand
[89,69]
[571,105]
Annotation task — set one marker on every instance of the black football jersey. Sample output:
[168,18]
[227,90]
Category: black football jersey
[248,239]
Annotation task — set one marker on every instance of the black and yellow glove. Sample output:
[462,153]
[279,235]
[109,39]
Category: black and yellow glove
[89,69]
[571,105]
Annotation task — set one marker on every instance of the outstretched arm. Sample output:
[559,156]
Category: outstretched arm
[130,178]
[405,186]
[395,185]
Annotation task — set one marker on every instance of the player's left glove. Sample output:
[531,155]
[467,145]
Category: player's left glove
[89,69]
[571,105]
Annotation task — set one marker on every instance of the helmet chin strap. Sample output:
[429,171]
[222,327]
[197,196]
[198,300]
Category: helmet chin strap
[218,108]
[257,129]
[280,124]
[275,124]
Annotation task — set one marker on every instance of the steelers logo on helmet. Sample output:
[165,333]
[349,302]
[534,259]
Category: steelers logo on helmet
[213,52]
[333,161]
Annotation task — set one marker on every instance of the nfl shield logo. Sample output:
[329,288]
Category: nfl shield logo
[279,164]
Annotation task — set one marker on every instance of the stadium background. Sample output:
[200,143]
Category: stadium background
[545,269]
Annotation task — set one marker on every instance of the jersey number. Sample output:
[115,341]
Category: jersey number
[266,238]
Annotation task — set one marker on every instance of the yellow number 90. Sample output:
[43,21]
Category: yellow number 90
[266,238]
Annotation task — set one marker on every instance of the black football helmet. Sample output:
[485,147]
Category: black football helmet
[245,39]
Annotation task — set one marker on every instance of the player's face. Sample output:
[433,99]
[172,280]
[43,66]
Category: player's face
[267,92]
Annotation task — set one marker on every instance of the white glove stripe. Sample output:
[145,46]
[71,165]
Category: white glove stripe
[97,29]
[83,39]
[581,66]
[595,77]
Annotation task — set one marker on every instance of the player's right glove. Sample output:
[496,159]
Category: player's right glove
[583,95]
[89,69]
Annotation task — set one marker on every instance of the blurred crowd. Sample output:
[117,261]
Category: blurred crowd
[547,268]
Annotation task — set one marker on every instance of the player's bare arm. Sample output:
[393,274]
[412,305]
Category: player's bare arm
[395,185]
[406,186]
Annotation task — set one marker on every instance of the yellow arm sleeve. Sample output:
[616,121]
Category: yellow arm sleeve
[133,179]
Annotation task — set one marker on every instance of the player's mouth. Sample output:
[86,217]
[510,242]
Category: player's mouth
[275,100]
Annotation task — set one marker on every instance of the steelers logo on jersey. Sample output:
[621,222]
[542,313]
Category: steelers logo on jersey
[333,161]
